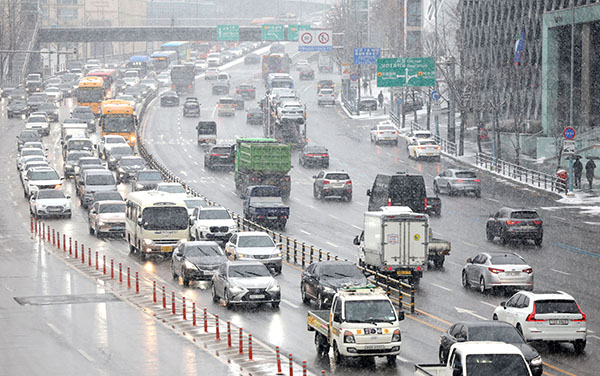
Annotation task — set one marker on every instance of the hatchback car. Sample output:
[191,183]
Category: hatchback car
[50,203]
[383,132]
[191,109]
[552,316]
[196,261]
[489,270]
[245,282]
[489,331]
[107,218]
[219,156]
[321,280]
[254,245]
[424,149]
[332,184]
[326,96]
[515,224]
[314,155]
[453,181]
[254,115]
[169,98]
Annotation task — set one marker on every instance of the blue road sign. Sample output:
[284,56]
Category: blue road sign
[569,133]
[353,77]
[435,95]
[366,55]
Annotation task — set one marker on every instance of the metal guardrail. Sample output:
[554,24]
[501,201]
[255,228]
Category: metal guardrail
[296,251]
[522,174]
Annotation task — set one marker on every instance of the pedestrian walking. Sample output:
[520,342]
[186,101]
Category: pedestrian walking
[365,86]
[577,170]
[380,99]
[589,171]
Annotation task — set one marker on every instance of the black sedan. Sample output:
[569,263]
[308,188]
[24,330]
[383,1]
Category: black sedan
[368,103]
[254,115]
[251,59]
[434,203]
[28,135]
[515,224]
[169,98]
[191,108]
[321,280]
[146,180]
[50,109]
[17,107]
[314,156]
[196,261]
[489,331]
[219,156]
[307,73]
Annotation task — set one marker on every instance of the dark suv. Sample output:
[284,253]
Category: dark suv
[515,224]
[332,184]
[219,156]
[400,189]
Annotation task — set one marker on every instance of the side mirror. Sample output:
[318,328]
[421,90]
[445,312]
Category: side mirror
[68,197]
[503,305]
[469,261]
[337,317]
[314,176]
[139,221]
[368,192]
[179,254]
[229,253]
[32,198]
[401,316]
[93,211]
[356,241]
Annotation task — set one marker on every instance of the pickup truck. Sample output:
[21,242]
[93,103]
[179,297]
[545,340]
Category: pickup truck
[263,204]
[479,358]
[362,322]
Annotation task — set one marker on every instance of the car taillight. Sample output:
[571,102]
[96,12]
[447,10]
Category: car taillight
[250,90]
[459,180]
[390,204]
[324,155]
[538,222]
[531,316]
[248,115]
[326,182]
[583,318]
[419,268]
[528,270]
[510,223]
[477,181]
[217,155]
[310,155]
[496,271]
[349,182]
[425,201]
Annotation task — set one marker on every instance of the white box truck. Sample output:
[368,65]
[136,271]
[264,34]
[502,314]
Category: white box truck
[394,242]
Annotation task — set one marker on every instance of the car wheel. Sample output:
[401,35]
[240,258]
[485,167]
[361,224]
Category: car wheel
[478,194]
[227,300]
[579,346]
[538,241]
[315,195]
[504,237]
[449,190]
[91,230]
[305,298]
[488,234]
[319,195]
[391,360]
[465,280]
[339,358]
[482,288]
[186,281]
[495,317]
[215,297]
[275,305]
[320,301]
[349,197]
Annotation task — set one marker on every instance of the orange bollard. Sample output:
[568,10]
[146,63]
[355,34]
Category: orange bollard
[304,368]
[96,260]
[58,240]
[249,346]
[104,264]
[43,231]
[137,283]
[48,239]
[173,302]
[89,257]
[279,372]
[70,246]
[76,249]
[154,291]
[120,273]
[193,314]
[31,223]
[291,365]
[218,334]
[128,278]
[35,224]
[53,238]
[184,313]
[112,269]
[228,334]
[241,340]
[82,254]
[164,298]
[205,321]
[64,243]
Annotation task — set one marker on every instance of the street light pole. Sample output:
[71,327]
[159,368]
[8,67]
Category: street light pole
[571,94]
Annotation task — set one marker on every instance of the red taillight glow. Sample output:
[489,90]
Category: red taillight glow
[310,155]
[477,181]
[326,182]
[389,268]
[528,270]
[496,271]
[419,268]
[389,202]
[531,316]
[583,318]
[538,222]
[218,155]
[459,180]
[425,201]
[510,223]
[349,182]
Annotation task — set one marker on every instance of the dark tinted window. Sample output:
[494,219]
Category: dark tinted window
[556,306]
[524,214]
[50,193]
[104,196]
[112,208]
[507,260]
[265,192]
[337,176]
[502,333]
[165,218]
[340,271]
[248,271]
[202,250]
[496,364]
[466,175]
[405,189]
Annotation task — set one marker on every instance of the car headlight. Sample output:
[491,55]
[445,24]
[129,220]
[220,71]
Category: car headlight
[233,227]
[148,241]
[275,255]
[112,159]
[138,185]
[328,289]
[101,222]
[396,337]
[241,255]
[203,228]
[536,361]
[42,206]
[189,265]
[273,286]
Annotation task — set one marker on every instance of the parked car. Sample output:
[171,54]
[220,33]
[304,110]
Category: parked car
[424,149]
[50,203]
[515,224]
[107,218]
[314,155]
[219,156]
[454,181]
[490,270]
[196,261]
[321,280]
[245,282]
[384,132]
[434,203]
[489,331]
[254,245]
[212,223]
[551,316]
[146,180]
[368,103]
[332,184]
[169,98]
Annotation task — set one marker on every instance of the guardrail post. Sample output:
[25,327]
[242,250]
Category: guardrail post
[387,284]
[287,248]
[228,333]
[295,252]
[193,313]
[320,255]
[412,298]
[218,334]
[303,254]
[58,240]
[312,250]
[184,313]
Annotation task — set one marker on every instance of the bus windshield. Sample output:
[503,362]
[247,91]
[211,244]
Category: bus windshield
[165,218]
[117,123]
[90,94]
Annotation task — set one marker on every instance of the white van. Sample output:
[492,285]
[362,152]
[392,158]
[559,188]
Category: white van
[226,107]
[155,222]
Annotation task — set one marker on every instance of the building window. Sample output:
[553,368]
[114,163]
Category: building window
[67,13]
[414,13]
[67,2]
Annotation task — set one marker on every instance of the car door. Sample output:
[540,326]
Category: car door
[318,184]
[178,259]
[195,214]
[494,223]
[473,269]
[310,280]
[218,280]
[522,311]
[231,247]
[93,216]
[512,307]
[449,338]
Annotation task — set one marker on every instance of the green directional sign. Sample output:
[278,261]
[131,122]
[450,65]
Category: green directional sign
[406,72]
[228,32]
[272,32]
[294,31]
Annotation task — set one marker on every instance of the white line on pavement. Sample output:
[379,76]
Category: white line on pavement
[491,199]
[559,218]
[85,355]
[356,227]
[441,287]
[453,263]
[488,304]
[470,244]
[51,326]
[333,245]
[593,336]
[289,303]
[333,216]
[560,272]
[306,232]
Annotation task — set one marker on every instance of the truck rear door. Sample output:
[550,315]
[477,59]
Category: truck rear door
[404,243]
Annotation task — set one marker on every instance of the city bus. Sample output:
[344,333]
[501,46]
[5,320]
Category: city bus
[118,118]
[275,63]
[141,62]
[90,93]
[203,49]
[164,59]
[109,77]
[182,49]
[155,222]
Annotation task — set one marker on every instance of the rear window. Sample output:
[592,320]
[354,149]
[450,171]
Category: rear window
[104,179]
[221,150]
[428,143]
[386,128]
[226,101]
[556,306]
[507,260]
[524,214]
[466,175]
[337,176]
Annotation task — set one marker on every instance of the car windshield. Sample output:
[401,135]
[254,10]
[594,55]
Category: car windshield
[428,142]
[203,250]
[340,271]
[362,311]
[150,176]
[386,128]
[255,241]
[165,218]
[37,119]
[82,114]
[112,208]
[31,152]
[524,214]
[80,145]
[248,271]
[171,188]
[423,135]
[105,196]
[503,333]
[214,214]
[507,260]
[115,140]
[194,202]
[90,161]
[29,135]
[556,306]
[496,364]
[100,179]
[44,175]
[126,150]
[315,149]
[337,176]
[466,175]
[132,162]
[50,193]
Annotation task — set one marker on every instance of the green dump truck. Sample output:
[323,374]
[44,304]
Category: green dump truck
[262,161]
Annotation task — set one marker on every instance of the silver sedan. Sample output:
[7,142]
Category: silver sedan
[454,181]
[490,270]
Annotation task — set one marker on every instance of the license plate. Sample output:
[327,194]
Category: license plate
[403,272]
[271,217]
[257,296]
[512,273]
[374,347]
[559,322]
[166,248]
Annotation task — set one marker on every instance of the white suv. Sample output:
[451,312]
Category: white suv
[545,316]
[212,223]
[326,96]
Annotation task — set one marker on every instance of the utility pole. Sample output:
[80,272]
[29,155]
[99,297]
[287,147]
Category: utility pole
[451,102]
[571,177]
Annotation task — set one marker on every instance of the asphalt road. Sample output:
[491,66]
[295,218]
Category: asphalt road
[567,260]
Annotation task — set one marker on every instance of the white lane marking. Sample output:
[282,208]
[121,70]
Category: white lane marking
[453,263]
[51,326]
[488,304]
[441,287]
[491,199]
[306,232]
[356,227]
[196,163]
[333,245]
[289,303]
[470,244]
[333,216]
[469,312]
[560,272]
[559,218]
[183,173]
[85,355]
[593,336]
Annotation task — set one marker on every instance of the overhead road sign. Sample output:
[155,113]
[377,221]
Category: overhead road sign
[294,31]
[406,72]
[273,32]
[315,40]
[228,32]
[569,133]
[366,55]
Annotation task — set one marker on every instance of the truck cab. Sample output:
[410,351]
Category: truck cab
[362,322]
